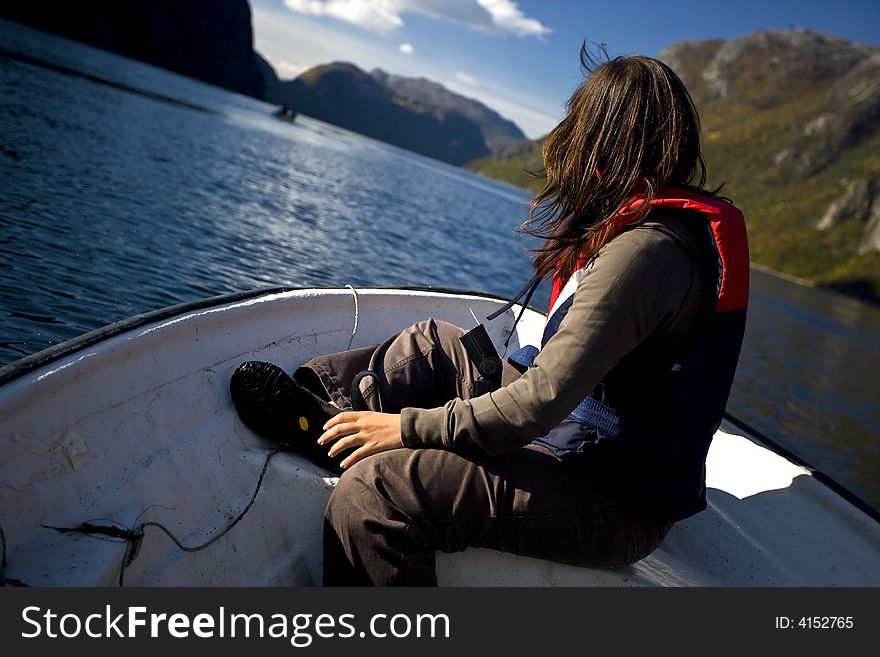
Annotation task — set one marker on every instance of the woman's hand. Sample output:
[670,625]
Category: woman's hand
[368,431]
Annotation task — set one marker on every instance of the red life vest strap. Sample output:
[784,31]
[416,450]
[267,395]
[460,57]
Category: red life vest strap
[728,230]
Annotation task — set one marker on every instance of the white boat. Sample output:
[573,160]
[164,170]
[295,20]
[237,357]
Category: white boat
[132,427]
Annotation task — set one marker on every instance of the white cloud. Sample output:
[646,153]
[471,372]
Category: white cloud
[507,16]
[406,48]
[464,78]
[385,16]
[374,15]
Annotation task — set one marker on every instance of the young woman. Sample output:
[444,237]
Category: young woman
[587,452]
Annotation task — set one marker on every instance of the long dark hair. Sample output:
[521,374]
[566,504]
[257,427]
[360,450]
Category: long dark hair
[630,128]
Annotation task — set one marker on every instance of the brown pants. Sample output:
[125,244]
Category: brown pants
[391,511]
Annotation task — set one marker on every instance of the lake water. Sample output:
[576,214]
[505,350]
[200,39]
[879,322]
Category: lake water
[124,188]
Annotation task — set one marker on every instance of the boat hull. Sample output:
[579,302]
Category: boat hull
[135,424]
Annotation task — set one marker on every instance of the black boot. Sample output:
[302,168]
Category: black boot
[276,407]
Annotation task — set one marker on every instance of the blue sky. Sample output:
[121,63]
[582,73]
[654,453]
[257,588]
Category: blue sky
[520,57]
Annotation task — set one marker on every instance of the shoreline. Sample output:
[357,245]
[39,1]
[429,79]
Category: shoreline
[869,302]
[764,269]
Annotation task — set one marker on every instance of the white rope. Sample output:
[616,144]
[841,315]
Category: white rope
[356,315]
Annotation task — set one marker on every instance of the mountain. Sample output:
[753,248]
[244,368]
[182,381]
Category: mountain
[791,127]
[498,132]
[518,165]
[272,85]
[209,40]
[342,94]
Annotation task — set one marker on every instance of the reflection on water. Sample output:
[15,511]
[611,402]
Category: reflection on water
[113,203]
[808,378]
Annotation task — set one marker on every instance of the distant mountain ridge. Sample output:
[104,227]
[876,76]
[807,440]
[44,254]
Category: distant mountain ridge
[415,114]
[499,133]
[791,127]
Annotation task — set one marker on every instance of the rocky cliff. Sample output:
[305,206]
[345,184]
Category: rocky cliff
[209,40]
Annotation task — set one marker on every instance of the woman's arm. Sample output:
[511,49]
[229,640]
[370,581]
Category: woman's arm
[638,283]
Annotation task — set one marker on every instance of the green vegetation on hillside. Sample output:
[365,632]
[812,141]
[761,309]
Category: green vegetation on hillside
[519,166]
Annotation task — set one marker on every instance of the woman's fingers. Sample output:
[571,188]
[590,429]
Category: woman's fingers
[358,454]
[366,432]
[345,443]
[337,430]
[342,418]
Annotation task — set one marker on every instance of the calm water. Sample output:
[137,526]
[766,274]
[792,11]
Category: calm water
[151,189]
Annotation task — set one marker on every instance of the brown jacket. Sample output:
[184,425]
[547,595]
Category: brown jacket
[640,284]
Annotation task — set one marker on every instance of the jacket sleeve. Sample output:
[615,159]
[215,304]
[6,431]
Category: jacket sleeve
[637,284]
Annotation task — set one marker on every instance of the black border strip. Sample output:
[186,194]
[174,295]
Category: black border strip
[26,364]
[22,366]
